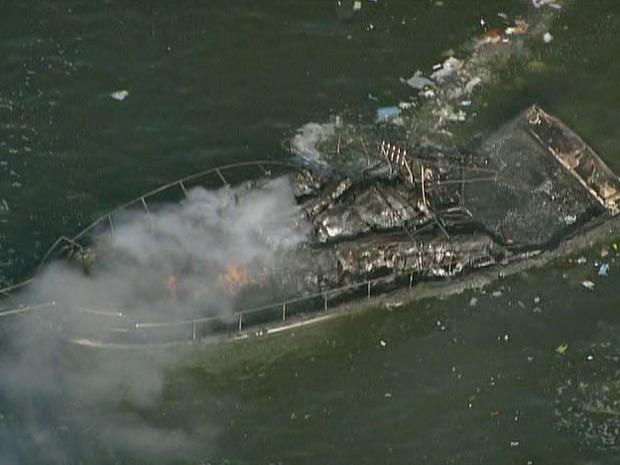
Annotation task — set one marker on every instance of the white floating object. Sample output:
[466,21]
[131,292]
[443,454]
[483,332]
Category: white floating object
[547,37]
[357,5]
[588,284]
[120,95]
[473,82]
[418,81]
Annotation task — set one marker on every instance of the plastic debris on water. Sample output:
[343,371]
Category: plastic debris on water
[549,3]
[603,269]
[547,37]
[447,68]
[428,93]
[387,113]
[588,284]
[418,81]
[570,219]
[120,95]
[473,82]
[520,27]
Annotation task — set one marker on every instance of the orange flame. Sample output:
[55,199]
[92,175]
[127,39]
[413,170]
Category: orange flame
[234,279]
[171,287]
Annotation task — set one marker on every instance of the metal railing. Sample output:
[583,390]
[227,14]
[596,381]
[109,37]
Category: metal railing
[106,221]
[119,325]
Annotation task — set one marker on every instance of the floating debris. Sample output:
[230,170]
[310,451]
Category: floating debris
[473,82]
[473,301]
[588,284]
[520,27]
[561,349]
[547,37]
[386,114]
[120,95]
[418,81]
[447,113]
[450,66]
[428,93]
[492,36]
[603,269]
[570,219]
[393,305]
[549,3]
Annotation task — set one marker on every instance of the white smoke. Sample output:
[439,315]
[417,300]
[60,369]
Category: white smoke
[174,264]
[93,400]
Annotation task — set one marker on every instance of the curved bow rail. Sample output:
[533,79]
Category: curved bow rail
[211,178]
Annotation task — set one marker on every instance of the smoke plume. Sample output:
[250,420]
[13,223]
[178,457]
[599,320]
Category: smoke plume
[59,401]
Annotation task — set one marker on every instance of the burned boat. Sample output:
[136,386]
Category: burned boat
[317,238]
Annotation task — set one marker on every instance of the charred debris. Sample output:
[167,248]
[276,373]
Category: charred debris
[436,214]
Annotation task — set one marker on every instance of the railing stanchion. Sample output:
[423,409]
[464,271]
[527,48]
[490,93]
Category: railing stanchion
[284,311]
[148,213]
[240,321]
[219,173]
[325,302]
[368,290]
[111,223]
[194,332]
[183,188]
[411,280]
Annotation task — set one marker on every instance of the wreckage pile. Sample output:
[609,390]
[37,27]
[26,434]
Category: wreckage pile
[436,214]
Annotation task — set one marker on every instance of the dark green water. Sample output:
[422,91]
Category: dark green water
[438,382]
